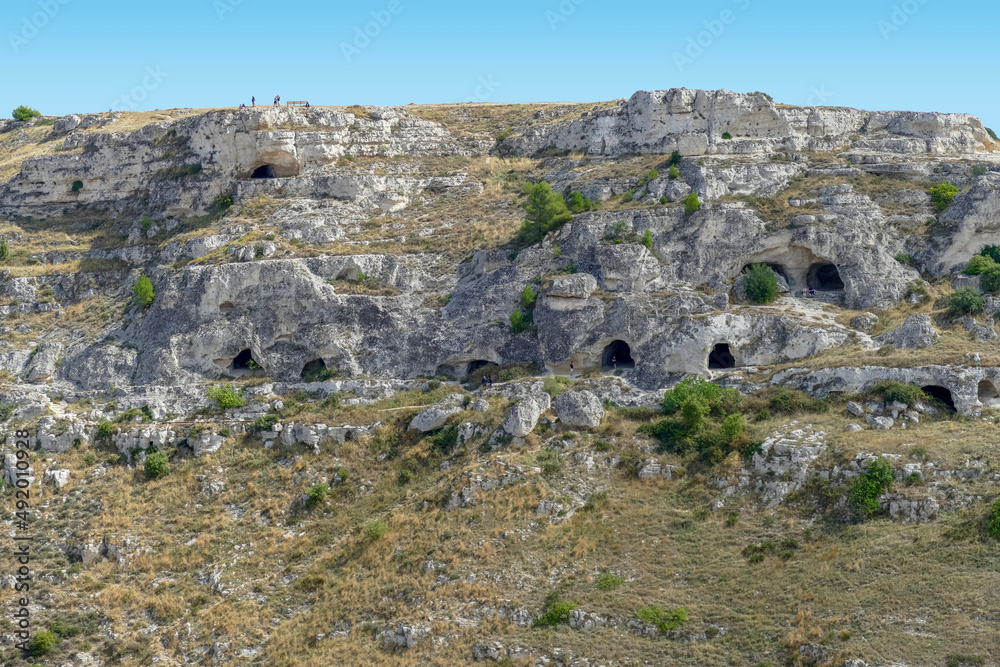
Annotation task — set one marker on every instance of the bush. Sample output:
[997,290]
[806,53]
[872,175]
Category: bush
[77,186]
[990,280]
[544,212]
[517,323]
[903,258]
[577,203]
[142,292]
[761,284]
[4,250]
[864,491]
[263,423]
[316,494]
[222,203]
[993,524]
[647,238]
[549,461]
[966,301]
[674,173]
[942,195]
[375,529]
[979,264]
[609,582]
[726,135]
[979,170]
[24,113]
[628,196]
[664,620]
[991,251]
[554,612]
[41,644]
[226,396]
[899,392]
[695,387]
[691,203]
[527,298]
[157,465]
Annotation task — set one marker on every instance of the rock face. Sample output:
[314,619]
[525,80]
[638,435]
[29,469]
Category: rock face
[523,418]
[579,408]
[917,332]
[435,416]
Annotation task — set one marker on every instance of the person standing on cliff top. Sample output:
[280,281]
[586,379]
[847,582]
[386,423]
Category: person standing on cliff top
[253,101]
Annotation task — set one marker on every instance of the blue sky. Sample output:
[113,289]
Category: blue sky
[66,56]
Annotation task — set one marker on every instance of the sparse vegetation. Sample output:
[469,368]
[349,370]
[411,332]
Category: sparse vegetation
[691,203]
[761,284]
[664,620]
[157,465]
[25,113]
[545,211]
[966,301]
[943,194]
[226,396]
[869,485]
[142,292]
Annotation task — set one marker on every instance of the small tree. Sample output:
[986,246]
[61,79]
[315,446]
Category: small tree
[24,113]
[989,281]
[761,284]
[41,643]
[528,298]
[647,238]
[691,203]
[544,211]
[517,323]
[142,292]
[157,465]
[674,173]
[942,195]
[868,486]
[226,396]
[316,494]
[966,301]
[979,264]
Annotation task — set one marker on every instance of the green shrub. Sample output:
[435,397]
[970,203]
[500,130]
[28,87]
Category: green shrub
[316,494]
[226,396]
[979,170]
[903,258]
[41,643]
[577,203]
[993,523]
[517,323]
[979,264]
[991,251]
[647,238]
[942,194]
[549,461]
[63,630]
[375,529]
[506,134]
[761,284]
[142,292]
[4,250]
[898,392]
[528,298]
[609,582]
[673,173]
[554,612]
[77,186]
[664,200]
[664,620]
[24,113]
[966,301]
[157,465]
[545,211]
[990,280]
[263,423]
[222,203]
[691,203]
[726,135]
[695,387]
[865,489]
[628,196]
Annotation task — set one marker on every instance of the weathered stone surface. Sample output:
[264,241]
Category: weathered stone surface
[855,409]
[864,322]
[579,408]
[917,332]
[58,478]
[433,418]
[523,418]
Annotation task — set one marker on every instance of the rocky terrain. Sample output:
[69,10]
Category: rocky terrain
[283,450]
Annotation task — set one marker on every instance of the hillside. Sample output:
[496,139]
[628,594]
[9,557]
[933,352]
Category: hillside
[301,387]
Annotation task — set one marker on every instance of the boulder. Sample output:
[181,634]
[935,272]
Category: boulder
[917,332]
[66,124]
[58,478]
[576,286]
[864,322]
[433,418]
[579,408]
[523,418]
[207,443]
[855,409]
[880,423]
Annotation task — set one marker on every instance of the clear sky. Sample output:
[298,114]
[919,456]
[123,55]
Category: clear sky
[66,56]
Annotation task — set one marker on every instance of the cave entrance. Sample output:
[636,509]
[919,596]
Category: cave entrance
[476,365]
[988,394]
[824,278]
[263,171]
[226,307]
[244,363]
[721,357]
[315,371]
[940,393]
[617,355]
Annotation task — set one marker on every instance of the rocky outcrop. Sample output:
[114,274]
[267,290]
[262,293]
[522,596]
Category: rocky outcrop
[917,332]
[523,418]
[579,408]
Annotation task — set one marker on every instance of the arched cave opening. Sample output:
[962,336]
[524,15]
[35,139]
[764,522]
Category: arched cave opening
[941,394]
[244,361]
[617,354]
[988,394]
[314,371]
[226,307]
[824,278]
[721,357]
[263,171]
[476,365]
